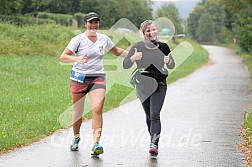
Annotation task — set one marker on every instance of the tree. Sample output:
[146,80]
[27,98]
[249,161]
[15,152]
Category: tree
[193,20]
[51,6]
[75,6]
[112,10]
[11,7]
[239,21]
[171,12]
[109,11]
[217,13]
[139,11]
[243,28]
[206,30]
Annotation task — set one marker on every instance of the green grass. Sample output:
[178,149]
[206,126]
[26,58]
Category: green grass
[35,86]
[34,91]
[197,59]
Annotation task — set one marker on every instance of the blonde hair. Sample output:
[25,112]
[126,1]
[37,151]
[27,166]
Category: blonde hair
[145,24]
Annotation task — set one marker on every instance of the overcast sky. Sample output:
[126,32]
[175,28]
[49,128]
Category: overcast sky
[184,6]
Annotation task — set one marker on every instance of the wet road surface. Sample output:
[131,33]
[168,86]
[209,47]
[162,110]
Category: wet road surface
[201,123]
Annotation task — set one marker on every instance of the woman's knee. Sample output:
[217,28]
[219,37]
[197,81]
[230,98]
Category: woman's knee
[155,115]
[97,109]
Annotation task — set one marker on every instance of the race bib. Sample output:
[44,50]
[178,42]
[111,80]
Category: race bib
[78,77]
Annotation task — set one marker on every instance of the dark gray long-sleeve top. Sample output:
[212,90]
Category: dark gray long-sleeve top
[152,59]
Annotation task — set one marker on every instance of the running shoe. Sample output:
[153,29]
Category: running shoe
[74,146]
[153,150]
[97,149]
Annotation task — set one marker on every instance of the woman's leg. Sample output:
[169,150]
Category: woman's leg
[78,108]
[146,107]
[156,103]
[97,97]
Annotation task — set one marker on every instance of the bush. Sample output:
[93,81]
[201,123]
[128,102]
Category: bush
[225,36]
[24,20]
[243,29]
[45,21]
[80,18]
[62,19]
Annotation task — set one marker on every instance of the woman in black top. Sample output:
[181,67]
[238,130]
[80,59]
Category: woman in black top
[150,56]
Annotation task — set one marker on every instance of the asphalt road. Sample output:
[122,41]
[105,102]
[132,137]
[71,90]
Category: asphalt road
[201,124]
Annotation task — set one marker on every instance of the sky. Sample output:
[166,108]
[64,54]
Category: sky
[184,6]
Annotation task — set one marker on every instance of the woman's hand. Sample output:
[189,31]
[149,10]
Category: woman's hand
[136,56]
[81,59]
[167,59]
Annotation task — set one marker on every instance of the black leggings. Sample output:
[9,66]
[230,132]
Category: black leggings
[152,106]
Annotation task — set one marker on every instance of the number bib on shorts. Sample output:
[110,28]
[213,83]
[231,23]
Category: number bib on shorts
[78,77]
